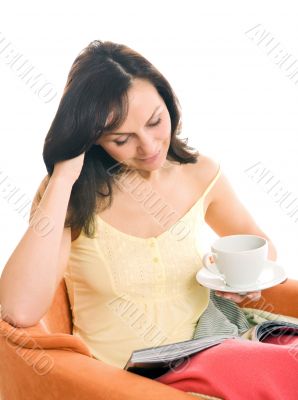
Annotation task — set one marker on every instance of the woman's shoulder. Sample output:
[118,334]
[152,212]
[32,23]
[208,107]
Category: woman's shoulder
[204,170]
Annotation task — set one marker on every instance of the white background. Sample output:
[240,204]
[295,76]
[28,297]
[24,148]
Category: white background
[238,106]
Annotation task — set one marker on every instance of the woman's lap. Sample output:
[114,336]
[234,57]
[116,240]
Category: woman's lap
[240,369]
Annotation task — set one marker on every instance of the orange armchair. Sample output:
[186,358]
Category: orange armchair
[46,361]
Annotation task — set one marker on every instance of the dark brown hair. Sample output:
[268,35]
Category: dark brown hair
[97,84]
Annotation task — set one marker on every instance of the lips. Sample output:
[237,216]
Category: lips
[148,158]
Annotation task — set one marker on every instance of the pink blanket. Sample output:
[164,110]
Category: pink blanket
[241,369]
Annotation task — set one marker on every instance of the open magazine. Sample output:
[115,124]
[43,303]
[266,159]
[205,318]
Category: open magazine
[152,362]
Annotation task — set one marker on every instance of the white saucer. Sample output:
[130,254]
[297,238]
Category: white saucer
[272,275]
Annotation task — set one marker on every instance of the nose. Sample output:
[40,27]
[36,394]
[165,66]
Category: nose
[147,146]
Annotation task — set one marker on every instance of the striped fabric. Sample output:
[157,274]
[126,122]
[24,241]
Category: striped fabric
[221,317]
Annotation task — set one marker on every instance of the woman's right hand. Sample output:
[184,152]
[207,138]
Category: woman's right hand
[70,169]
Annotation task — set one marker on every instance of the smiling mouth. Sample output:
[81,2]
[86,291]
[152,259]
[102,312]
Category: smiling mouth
[149,158]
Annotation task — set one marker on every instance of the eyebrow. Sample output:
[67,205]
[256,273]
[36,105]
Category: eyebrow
[127,133]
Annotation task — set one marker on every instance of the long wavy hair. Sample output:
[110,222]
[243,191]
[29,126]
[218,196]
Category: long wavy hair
[97,85]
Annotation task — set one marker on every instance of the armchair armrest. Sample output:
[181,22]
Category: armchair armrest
[36,364]
[280,299]
[78,377]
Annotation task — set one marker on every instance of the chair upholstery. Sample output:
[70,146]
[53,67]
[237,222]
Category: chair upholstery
[46,361]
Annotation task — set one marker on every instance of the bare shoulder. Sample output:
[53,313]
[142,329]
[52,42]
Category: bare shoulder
[206,166]
[204,170]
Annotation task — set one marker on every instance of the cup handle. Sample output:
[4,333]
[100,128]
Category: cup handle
[210,266]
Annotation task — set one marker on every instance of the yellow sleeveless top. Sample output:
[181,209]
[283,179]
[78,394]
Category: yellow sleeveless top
[128,293]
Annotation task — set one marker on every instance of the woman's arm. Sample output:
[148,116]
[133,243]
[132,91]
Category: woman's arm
[30,276]
[226,215]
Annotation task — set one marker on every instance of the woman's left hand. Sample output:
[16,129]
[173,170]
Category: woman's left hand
[252,296]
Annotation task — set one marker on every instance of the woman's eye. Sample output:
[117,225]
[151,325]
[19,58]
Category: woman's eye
[156,123]
[120,143]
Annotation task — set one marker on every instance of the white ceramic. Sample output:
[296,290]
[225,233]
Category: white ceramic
[272,274]
[238,259]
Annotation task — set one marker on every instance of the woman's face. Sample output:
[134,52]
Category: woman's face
[145,132]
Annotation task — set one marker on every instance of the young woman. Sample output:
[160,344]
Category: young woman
[118,215]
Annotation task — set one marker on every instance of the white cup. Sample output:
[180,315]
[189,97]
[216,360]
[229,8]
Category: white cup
[238,259]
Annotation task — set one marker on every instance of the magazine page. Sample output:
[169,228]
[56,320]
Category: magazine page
[273,328]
